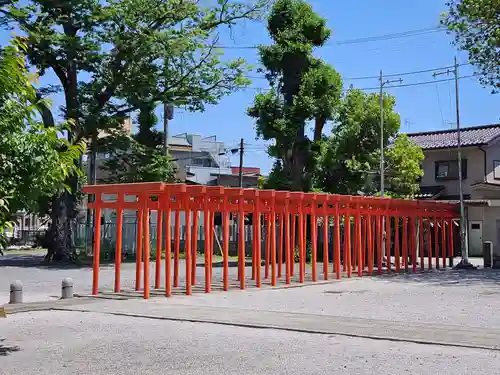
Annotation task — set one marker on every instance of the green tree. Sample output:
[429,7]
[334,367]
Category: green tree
[278,178]
[109,56]
[403,160]
[349,159]
[132,161]
[476,25]
[34,160]
[138,157]
[302,88]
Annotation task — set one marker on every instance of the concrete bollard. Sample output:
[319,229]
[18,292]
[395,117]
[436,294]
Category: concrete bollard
[16,292]
[67,288]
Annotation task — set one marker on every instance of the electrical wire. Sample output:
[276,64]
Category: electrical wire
[386,75]
[422,83]
[439,104]
[422,71]
[369,39]
[389,87]
[452,107]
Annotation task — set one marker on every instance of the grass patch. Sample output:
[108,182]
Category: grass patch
[26,251]
[109,257]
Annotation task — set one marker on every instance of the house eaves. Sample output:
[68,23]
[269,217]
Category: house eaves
[475,136]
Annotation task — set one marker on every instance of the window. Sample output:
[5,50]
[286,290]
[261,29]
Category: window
[448,170]
[496,169]
[197,161]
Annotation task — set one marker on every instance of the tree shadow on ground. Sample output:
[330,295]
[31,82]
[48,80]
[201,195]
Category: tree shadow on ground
[450,278]
[36,261]
[5,350]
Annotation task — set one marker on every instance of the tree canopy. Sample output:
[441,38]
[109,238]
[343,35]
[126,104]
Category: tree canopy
[34,160]
[302,88]
[112,56]
[350,157]
[476,26]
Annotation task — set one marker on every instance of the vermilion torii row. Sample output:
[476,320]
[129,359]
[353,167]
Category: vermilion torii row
[291,212]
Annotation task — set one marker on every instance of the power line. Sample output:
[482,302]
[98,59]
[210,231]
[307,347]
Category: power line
[392,87]
[439,104]
[403,34]
[421,71]
[385,75]
[421,83]
[412,72]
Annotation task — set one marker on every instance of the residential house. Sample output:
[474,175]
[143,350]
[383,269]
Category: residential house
[199,160]
[250,177]
[480,178]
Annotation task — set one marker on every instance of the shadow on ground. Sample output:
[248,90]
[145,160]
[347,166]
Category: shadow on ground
[231,263]
[6,350]
[447,277]
[35,261]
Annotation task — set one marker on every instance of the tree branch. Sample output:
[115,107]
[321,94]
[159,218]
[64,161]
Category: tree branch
[45,112]
[202,61]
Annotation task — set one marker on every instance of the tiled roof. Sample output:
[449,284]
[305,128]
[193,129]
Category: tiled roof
[473,136]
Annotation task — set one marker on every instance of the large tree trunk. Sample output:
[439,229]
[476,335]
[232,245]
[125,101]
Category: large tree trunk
[319,124]
[60,234]
[300,162]
[297,171]
[63,217]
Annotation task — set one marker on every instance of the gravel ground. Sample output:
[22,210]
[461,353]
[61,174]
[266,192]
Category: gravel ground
[44,283]
[59,343]
[468,298]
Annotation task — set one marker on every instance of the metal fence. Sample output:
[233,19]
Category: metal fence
[129,239]
[83,238]
[25,237]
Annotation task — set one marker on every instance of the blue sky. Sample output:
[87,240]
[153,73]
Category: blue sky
[421,107]
[425,107]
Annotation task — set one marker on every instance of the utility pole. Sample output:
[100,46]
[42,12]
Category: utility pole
[382,161]
[242,147]
[464,246]
[168,114]
[166,117]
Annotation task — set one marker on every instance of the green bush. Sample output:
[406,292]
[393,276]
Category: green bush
[296,255]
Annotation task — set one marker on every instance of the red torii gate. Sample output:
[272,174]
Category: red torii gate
[362,248]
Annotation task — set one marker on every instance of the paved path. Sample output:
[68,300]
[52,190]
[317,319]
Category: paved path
[67,343]
[346,327]
[44,282]
[415,332]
